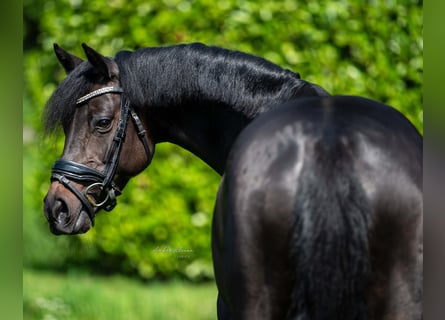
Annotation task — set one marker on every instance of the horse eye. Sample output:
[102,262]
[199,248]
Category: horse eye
[103,123]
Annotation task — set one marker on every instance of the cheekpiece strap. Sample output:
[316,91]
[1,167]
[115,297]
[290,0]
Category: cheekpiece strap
[99,92]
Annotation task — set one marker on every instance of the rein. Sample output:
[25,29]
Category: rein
[101,193]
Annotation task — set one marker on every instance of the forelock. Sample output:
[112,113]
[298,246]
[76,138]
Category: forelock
[61,106]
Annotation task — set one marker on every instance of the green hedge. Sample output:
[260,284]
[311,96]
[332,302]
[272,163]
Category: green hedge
[161,227]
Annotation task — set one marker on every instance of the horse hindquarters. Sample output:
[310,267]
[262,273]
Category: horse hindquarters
[310,196]
[395,234]
[290,233]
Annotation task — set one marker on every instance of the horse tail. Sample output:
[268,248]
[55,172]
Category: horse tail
[329,240]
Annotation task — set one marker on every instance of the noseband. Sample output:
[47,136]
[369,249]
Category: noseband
[101,191]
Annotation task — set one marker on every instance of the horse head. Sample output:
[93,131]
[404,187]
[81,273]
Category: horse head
[103,148]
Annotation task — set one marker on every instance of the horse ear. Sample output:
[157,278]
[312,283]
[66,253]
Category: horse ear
[67,60]
[104,65]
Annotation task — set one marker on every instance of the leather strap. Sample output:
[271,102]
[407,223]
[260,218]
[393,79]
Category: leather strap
[67,183]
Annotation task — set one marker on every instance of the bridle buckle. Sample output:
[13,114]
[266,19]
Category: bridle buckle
[90,193]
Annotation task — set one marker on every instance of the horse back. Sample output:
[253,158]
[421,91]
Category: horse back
[318,214]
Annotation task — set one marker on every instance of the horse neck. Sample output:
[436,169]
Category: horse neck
[201,98]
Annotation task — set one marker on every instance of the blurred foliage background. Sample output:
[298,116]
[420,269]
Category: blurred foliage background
[161,226]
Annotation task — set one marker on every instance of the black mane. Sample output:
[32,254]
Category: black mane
[186,74]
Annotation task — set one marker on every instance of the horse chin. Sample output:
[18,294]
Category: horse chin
[80,225]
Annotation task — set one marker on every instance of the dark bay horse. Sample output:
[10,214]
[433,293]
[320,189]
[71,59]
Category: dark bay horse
[319,212]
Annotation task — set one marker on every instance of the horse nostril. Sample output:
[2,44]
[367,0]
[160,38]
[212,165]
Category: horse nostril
[60,211]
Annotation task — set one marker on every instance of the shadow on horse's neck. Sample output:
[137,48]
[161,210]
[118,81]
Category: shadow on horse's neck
[201,98]
[209,134]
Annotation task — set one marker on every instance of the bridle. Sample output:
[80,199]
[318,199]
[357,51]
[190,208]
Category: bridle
[101,193]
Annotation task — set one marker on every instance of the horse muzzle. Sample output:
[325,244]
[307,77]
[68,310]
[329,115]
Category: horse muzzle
[77,192]
[64,212]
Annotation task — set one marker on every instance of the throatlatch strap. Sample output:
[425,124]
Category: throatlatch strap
[141,133]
